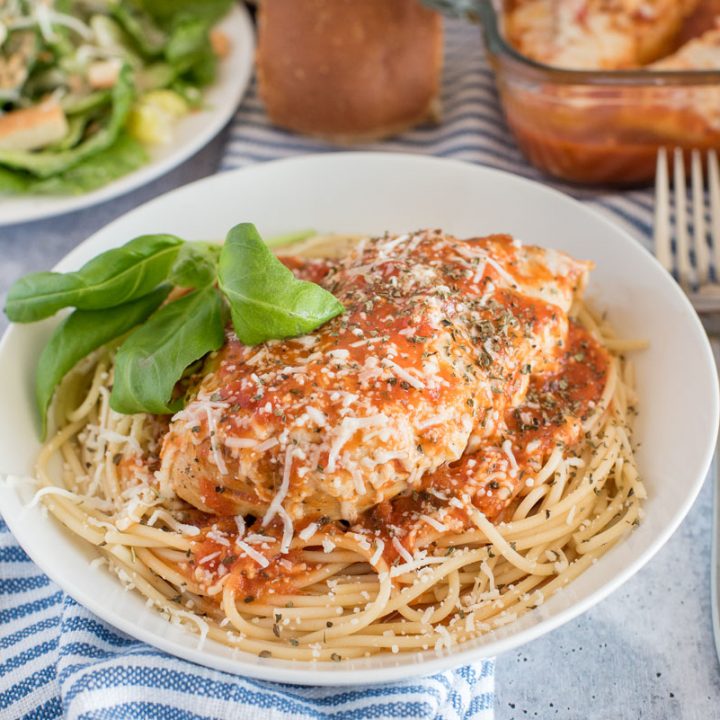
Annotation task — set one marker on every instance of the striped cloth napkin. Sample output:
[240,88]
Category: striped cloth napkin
[58,660]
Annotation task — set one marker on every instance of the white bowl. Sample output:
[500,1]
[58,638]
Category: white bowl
[371,193]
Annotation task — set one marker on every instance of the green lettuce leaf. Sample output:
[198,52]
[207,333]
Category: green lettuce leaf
[122,157]
[47,163]
[168,10]
[140,26]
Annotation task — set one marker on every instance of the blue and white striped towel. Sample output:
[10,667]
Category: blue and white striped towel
[56,659]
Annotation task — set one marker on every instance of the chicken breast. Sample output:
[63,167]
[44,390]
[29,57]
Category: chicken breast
[32,128]
[439,337]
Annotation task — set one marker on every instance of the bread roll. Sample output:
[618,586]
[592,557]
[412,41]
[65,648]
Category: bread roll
[349,70]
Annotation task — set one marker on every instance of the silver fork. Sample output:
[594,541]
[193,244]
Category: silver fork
[700,279]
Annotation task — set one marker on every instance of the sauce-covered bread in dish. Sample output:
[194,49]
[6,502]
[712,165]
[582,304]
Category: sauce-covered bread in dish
[595,34]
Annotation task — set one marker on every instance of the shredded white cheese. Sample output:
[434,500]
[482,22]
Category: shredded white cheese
[287,535]
[379,547]
[404,375]
[328,545]
[404,554]
[507,449]
[433,523]
[348,427]
[412,565]
[307,532]
[217,455]
[267,444]
[276,504]
[252,553]
[240,443]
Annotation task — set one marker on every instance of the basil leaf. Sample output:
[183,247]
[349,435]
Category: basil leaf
[196,265]
[112,278]
[266,300]
[81,333]
[153,358]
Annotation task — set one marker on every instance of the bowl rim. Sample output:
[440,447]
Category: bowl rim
[500,50]
[325,674]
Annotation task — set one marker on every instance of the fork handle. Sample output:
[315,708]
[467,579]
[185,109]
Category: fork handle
[715,555]
[715,549]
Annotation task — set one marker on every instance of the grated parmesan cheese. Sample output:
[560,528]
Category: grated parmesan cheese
[404,554]
[403,374]
[252,553]
[433,523]
[276,504]
[240,443]
[507,449]
[287,535]
[307,532]
[379,547]
[217,455]
[328,545]
[348,427]
[267,444]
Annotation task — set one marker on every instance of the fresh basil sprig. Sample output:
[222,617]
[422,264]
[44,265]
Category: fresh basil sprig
[266,300]
[122,291]
[110,279]
[81,333]
[196,265]
[154,357]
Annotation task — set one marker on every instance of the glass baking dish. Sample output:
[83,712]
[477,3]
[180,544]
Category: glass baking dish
[600,127]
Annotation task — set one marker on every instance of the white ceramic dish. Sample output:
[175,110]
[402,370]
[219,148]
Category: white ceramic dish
[370,193]
[191,134]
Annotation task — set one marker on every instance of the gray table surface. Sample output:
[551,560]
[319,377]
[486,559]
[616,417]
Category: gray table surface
[645,652]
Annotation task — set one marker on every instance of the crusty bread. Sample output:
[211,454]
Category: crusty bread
[349,70]
[32,128]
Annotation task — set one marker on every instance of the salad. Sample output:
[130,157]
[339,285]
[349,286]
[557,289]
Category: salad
[87,85]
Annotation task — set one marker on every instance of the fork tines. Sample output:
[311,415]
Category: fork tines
[692,252]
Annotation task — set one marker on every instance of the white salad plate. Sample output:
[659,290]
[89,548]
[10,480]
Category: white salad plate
[371,193]
[190,134]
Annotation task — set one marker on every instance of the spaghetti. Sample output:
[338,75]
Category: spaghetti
[465,548]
